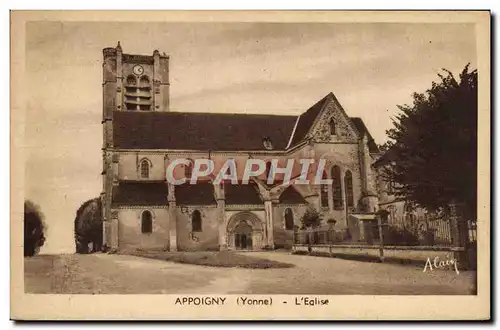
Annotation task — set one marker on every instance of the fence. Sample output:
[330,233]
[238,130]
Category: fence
[436,233]
[433,233]
[321,236]
[472,231]
[382,238]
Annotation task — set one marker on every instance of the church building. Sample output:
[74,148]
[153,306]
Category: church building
[141,137]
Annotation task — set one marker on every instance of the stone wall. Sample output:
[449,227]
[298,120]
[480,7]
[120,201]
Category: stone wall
[283,238]
[129,229]
[207,238]
[129,166]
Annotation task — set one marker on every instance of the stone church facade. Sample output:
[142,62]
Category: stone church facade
[141,137]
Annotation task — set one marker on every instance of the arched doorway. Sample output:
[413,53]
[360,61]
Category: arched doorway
[244,232]
[243,236]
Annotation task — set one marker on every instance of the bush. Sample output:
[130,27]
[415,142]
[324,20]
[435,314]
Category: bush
[34,228]
[88,226]
[311,218]
[342,235]
[429,237]
[397,236]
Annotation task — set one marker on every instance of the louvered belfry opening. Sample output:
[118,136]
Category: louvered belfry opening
[138,93]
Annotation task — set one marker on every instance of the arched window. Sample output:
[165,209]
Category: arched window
[269,168]
[144,169]
[146,222]
[131,80]
[188,169]
[349,194]
[196,221]
[337,188]
[408,213]
[390,186]
[408,207]
[288,219]
[324,192]
[144,81]
[333,129]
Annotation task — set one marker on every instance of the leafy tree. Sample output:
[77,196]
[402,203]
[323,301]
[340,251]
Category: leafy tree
[88,226]
[311,218]
[34,237]
[431,154]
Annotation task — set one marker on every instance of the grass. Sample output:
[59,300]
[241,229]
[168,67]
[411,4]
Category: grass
[363,258]
[213,259]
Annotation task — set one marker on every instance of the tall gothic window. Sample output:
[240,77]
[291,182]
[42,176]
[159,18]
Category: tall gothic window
[337,188]
[144,169]
[138,93]
[144,99]
[390,186]
[146,222]
[269,168]
[333,129]
[188,169]
[130,90]
[324,192]
[288,219]
[196,221]
[349,194]
[408,213]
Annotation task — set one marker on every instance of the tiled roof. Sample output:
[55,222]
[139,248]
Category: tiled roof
[217,131]
[385,157]
[291,196]
[200,131]
[242,194]
[306,120]
[140,193]
[361,127]
[201,193]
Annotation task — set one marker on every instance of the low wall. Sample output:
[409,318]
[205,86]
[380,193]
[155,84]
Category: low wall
[418,254]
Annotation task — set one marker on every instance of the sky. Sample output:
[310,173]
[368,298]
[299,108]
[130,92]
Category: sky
[277,68]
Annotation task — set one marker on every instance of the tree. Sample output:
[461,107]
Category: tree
[311,218]
[34,226]
[431,154]
[88,226]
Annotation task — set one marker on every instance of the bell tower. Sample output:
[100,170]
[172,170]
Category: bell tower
[145,85]
[135,82]
[144,82]
[130,82]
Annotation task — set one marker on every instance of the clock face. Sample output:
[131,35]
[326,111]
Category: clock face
[138,70]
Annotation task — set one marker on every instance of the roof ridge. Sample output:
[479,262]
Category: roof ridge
[293,132]
[205,113]
[316,107]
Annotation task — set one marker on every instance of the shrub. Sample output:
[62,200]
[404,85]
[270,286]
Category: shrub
[88,226]
[399,236]
[311,218]
[34,228]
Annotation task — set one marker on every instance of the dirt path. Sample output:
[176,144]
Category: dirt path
[102,273]
[337,276]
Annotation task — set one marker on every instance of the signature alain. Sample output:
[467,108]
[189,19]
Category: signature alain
[438,263]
